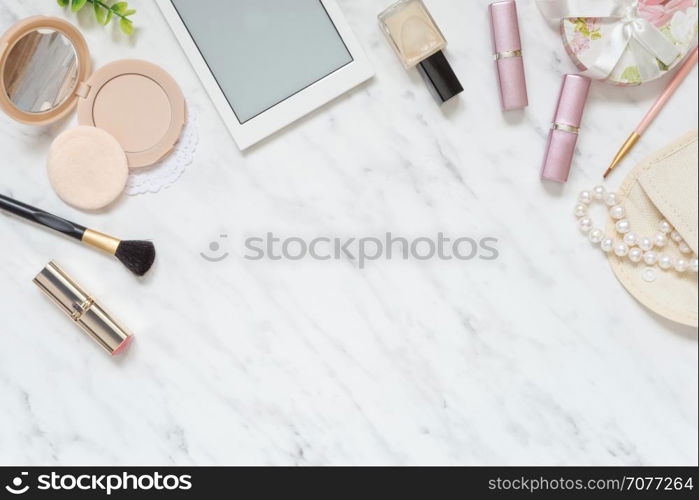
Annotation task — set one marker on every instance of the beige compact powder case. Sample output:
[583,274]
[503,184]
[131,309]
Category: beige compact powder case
[45,74]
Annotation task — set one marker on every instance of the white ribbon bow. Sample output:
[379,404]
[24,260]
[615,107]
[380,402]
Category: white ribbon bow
[645,41]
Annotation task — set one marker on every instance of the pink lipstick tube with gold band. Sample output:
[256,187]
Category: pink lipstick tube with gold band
[507,48]
[565,127]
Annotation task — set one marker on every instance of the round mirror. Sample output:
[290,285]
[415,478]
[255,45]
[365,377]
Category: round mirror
[41,71]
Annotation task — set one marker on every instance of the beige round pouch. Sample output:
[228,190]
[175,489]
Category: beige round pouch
[664,186]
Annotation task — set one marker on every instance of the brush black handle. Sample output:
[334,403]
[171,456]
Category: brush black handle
[40,217]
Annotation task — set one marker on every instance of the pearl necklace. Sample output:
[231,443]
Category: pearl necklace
[631,245]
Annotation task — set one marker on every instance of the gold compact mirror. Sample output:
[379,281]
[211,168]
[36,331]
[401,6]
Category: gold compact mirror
[41,71]
[42,62]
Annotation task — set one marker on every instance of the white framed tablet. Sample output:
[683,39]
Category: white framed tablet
[267,63]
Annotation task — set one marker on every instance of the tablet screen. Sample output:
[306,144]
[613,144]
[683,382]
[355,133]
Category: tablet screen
[262,52]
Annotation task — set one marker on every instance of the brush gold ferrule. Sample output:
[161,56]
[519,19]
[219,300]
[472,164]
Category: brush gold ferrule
[101,241]
[625,148]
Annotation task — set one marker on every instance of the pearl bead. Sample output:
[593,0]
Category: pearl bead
[611,199]
[631,239]
[635,255]
[617,212]
[684,248]
[621,249]
[681,265]
[637,249]
[585,224]
[596,235]
[606,244]
[598,192]
[585,197]
[623,226]
[665,226]
[660,240]
[650,257]
[645,244]
[665,261]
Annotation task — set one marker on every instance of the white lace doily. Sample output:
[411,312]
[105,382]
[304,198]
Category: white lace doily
[164,173]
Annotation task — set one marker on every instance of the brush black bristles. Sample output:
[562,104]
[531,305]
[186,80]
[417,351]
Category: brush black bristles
[137,256]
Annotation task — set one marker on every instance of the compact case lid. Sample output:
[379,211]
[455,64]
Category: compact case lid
[137,102]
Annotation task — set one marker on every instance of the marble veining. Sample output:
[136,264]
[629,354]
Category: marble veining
[538,357]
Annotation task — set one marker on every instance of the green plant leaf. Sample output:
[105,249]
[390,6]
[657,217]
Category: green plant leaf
[100,13]
[126,26]
[105,11]
[76,5]
[120,7]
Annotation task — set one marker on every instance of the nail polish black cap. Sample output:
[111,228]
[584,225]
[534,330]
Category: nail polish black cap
[440,77]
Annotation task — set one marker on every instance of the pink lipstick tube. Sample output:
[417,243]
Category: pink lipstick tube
[564,131]
[507,48]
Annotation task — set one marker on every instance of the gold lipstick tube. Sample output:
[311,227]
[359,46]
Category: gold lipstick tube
[83,309]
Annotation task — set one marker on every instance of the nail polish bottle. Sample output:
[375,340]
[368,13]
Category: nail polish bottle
[418,41]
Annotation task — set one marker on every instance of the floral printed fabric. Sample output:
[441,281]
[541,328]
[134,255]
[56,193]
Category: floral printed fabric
[660,12]
[676,19]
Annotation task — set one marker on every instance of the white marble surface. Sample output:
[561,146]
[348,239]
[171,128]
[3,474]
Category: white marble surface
[537,358]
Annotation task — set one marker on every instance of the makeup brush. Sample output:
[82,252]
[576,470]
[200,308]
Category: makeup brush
[654,110]
[137,256]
